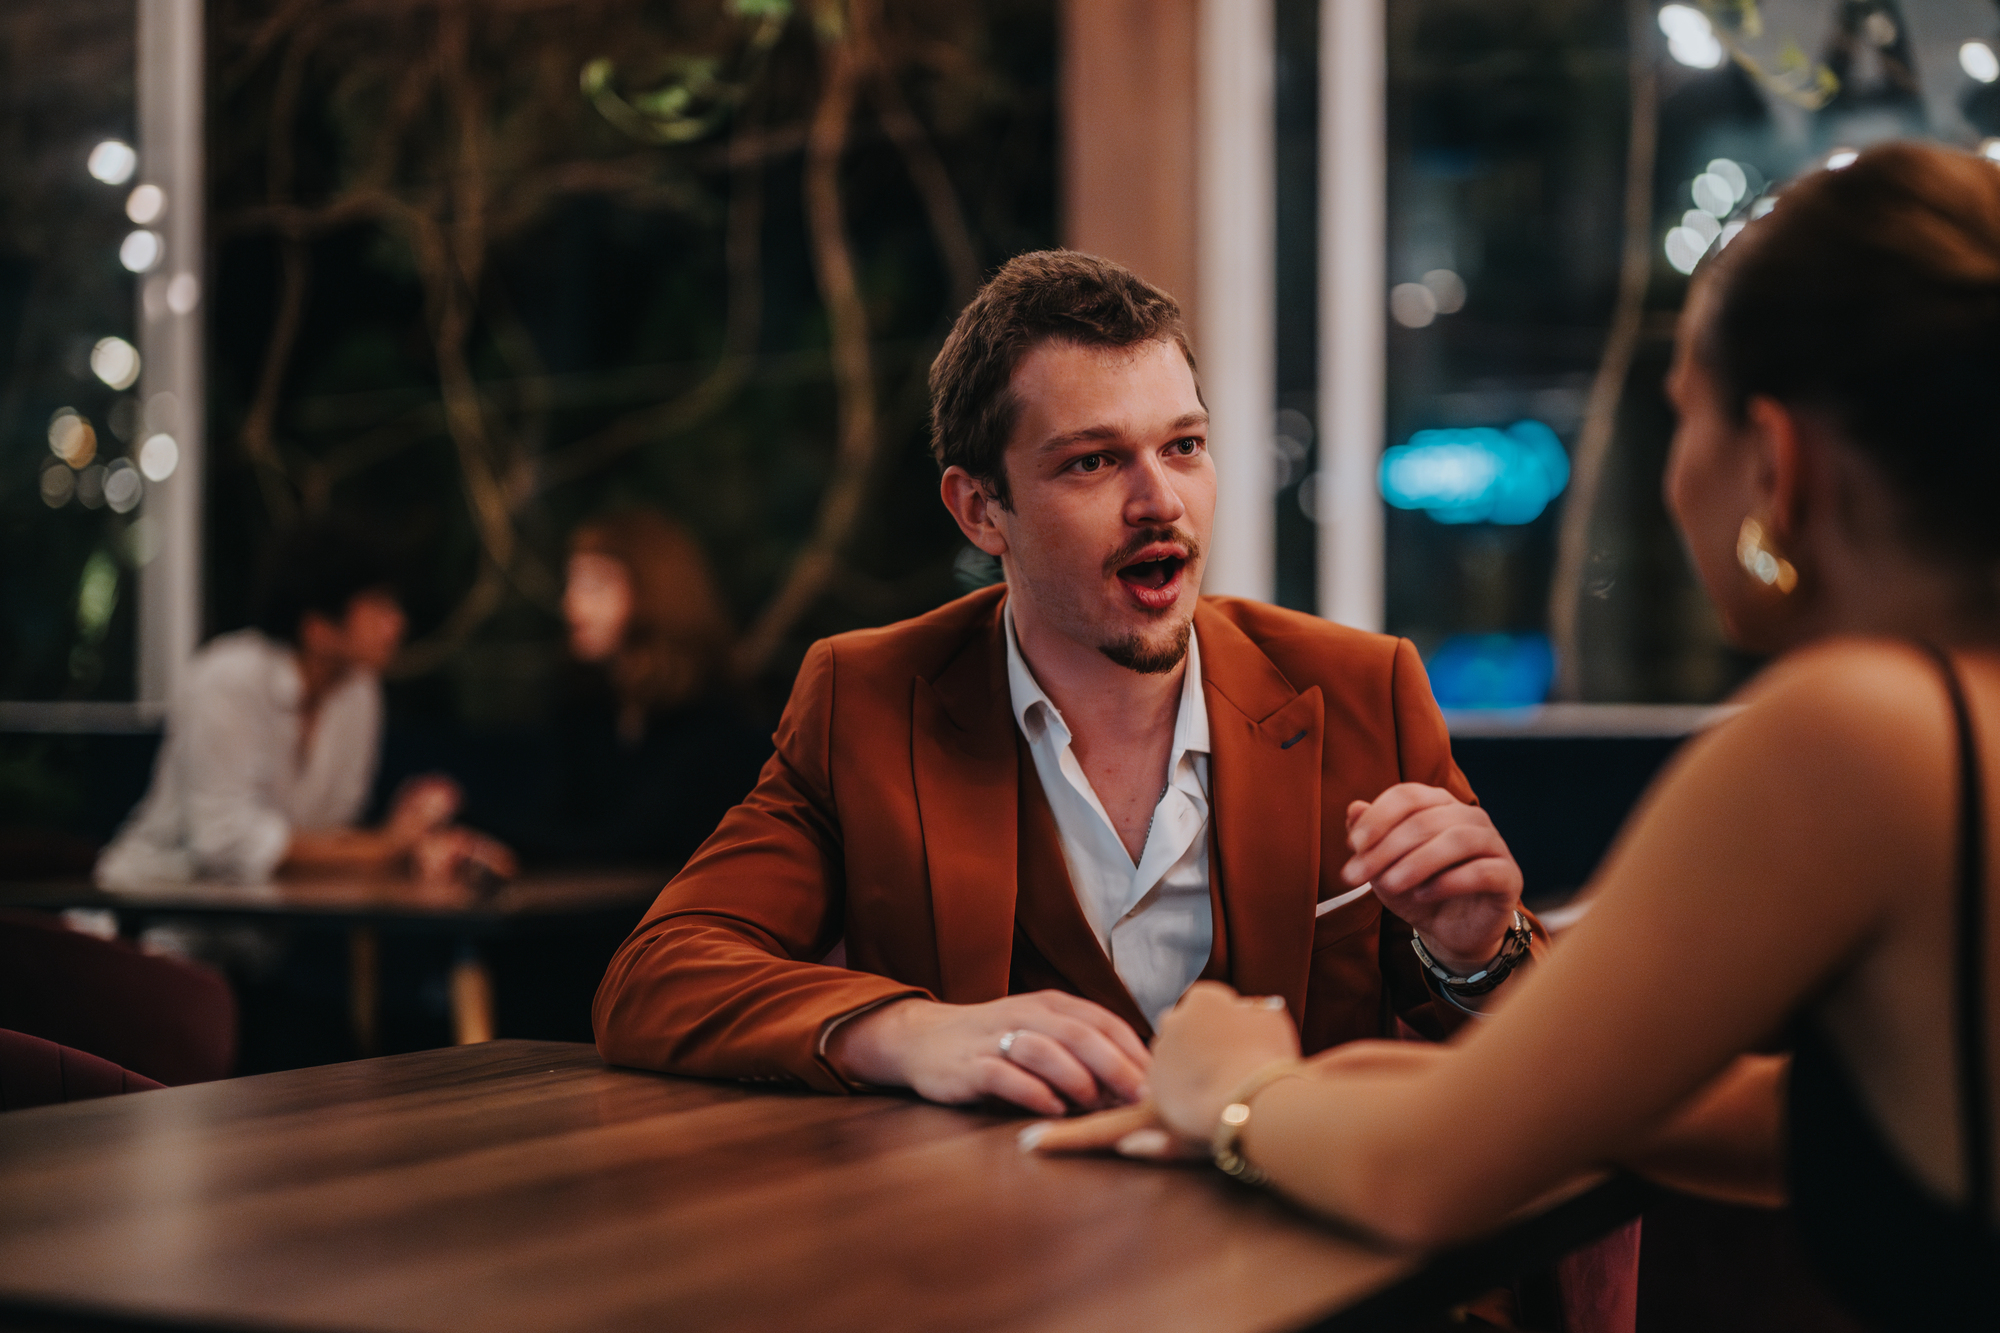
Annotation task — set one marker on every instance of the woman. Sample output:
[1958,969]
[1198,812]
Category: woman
[654,748]
[1818,861]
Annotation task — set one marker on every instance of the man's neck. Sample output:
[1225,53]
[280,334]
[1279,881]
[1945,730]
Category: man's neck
[1107,708]
[319,675]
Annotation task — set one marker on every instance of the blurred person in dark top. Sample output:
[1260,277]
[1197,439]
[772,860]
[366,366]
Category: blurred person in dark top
[273,738]
[654,747]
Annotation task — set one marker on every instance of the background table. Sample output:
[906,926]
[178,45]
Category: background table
[364,905]
[520,1186]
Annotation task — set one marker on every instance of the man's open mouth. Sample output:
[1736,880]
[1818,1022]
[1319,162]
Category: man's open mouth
[1153,573]
[1154,583]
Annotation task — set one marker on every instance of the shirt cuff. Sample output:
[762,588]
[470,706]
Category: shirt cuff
[827,1030]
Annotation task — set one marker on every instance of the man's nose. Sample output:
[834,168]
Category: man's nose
[1153,498]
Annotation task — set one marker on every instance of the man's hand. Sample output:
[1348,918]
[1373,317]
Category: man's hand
[421,805]
[1440,865]
[456,852]
[1070,1052]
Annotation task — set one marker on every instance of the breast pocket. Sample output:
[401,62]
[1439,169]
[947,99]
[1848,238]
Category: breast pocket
[1330,928]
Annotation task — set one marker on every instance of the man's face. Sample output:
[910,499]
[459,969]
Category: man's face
[371,631]
[1113,499]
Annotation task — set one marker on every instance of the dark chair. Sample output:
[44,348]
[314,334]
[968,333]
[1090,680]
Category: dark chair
[171,1021]
[34,1072]
[1711,1267]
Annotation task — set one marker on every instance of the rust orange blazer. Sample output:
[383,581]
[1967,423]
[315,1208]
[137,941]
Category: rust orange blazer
[901,814]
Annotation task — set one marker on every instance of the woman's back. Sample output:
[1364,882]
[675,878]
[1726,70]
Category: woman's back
[1890,1127]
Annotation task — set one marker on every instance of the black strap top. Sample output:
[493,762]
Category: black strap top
[1897,1256]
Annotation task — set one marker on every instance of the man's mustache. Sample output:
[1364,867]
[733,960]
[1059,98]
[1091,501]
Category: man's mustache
[1144,537]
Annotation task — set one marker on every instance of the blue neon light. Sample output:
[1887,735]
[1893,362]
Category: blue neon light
[1492,670]
[1477,474]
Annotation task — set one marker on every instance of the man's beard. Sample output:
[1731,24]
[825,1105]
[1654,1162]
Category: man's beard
[1134,653]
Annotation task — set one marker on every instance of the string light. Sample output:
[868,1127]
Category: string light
[113,162]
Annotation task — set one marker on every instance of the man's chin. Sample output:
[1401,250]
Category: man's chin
[1151,654]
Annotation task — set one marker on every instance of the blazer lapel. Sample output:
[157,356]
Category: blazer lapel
[1265,741]
[964,761]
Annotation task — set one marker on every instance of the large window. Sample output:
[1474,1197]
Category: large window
[1527,550]
[72,242]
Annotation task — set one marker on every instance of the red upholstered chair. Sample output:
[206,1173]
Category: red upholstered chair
[34,1072]
[168,1020]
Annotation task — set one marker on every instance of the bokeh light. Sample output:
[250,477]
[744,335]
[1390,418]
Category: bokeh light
[1477,474]
[113,162]
[140,250]
[122,487]
[158,457]
[145,204]
[183,293]
[1492,670]
[72,438]
[116,362]
[1447,289]
[1412,304]
[1840,158]
[58,484]
[1979,62]
[1691,38]
[90,487]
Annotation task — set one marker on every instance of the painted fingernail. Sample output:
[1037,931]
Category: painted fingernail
[1144,1143]
[1029,1137]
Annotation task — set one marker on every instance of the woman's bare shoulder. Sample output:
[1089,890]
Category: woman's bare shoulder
[1853,690]
[1842,727]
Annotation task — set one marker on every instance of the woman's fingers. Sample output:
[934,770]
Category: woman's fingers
[1099,1132]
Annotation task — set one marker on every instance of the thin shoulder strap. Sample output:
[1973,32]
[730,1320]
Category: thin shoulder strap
[1976,1112]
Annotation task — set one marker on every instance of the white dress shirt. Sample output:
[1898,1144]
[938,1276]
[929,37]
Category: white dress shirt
[1152,919]
[232,783]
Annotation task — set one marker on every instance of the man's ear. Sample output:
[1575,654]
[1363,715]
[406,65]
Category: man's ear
[976,509]
[1779,465]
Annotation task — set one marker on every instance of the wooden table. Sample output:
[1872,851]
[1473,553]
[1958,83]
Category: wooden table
[521,1186]
[366,905]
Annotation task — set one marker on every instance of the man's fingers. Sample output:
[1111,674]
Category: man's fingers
[1432,857]
[1115,1029]
[1391,808]
[1413,831]
[996,1076]
[1051,1061]
[1088,1133]
[1108,1062]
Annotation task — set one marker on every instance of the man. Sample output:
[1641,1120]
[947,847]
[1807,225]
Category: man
[1036,815]
[273,736]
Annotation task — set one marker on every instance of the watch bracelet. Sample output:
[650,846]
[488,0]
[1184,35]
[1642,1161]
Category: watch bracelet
[1513,951]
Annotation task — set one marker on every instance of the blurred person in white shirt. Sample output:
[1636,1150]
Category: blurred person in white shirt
[273,738]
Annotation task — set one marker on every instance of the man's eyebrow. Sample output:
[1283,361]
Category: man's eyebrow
[1087,434]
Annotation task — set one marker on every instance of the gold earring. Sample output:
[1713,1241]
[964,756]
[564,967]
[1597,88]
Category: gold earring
[1760,561]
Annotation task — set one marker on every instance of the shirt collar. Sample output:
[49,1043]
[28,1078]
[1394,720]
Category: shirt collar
[1035,712]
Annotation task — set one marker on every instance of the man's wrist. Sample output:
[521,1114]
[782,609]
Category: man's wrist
[1456,984]
[867,1047]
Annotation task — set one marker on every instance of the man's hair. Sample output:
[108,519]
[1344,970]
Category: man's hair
[1042,296]
[317,568]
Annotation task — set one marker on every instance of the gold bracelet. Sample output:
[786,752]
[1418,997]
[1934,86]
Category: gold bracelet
[1223,1144]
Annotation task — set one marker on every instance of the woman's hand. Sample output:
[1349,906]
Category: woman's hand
[1211,1041]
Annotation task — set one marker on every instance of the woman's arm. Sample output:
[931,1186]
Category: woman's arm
[1765,860]
[1728,1143]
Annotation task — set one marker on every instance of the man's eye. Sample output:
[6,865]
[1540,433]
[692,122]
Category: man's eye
[1186,446]
[1089,463]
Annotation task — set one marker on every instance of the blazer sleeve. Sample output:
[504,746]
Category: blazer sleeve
[721,977]
[1423,750]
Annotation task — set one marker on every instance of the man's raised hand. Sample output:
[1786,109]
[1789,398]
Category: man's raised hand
[1067,1052]
[1440,865]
